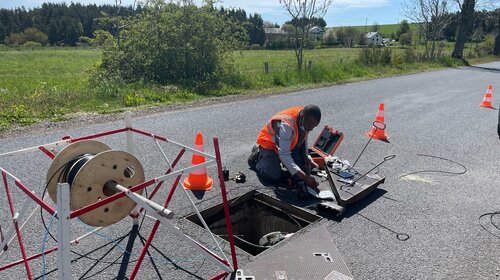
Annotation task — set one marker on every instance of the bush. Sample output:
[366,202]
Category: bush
[375,55]
[255,47]
[409,55]
[397,61]
[329,37]
[487,46]
[179,44]
[32,45]
[35,35]
[405,39]
[29,34]
[446,61]
[386,56]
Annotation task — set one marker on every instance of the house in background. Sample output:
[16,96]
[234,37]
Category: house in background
[278,34]
[316,33]
[374,39]
[275,34]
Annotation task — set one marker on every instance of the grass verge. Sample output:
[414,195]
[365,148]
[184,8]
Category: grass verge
[52,84]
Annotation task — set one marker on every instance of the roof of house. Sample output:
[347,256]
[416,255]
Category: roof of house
[371,34]
[316,29]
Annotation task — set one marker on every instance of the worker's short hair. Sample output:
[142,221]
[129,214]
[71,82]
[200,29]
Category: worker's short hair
[312,111]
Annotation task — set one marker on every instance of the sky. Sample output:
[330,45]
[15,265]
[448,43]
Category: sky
[340,13]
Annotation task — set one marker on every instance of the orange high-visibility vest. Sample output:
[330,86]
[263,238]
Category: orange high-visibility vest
[267,134]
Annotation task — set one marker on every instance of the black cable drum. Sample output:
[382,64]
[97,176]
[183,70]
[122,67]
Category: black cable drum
[72,168]
[88,166]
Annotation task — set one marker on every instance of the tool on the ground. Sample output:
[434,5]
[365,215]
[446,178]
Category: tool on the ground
[325,145]
[389,157]
[378,125]
[342,180]
[225,173]
[239,177]
[355,186]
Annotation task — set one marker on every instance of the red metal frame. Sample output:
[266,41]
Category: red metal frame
[90,207]
[18,232]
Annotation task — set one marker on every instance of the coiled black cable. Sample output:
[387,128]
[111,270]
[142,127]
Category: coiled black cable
[496,226]
[437,171]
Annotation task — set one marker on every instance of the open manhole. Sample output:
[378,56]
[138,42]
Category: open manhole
[259,221]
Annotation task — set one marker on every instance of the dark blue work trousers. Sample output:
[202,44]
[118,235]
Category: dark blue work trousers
[269,165]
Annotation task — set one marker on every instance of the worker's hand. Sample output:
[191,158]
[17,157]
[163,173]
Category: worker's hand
[313,164]
[310,163]
[311,182]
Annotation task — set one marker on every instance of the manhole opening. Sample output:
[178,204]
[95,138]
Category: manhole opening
[255,215]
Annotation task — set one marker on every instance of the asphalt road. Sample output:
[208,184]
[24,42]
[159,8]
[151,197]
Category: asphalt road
[435,113]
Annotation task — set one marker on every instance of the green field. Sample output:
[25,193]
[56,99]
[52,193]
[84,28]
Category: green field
[253,61]
[385,29]
[52,83]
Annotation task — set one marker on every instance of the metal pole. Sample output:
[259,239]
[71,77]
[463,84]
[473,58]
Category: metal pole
[129,135]
[160,219]
[227,215]
[160,210]
[63,232]
[129,140]
[15,217]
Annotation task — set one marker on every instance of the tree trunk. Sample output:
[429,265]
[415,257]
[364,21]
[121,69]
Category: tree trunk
[300,57]
[496,50]
[464,27]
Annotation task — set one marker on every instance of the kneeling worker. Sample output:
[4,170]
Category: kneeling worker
[284,140]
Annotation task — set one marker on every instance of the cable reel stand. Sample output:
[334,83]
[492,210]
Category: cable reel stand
[100,186]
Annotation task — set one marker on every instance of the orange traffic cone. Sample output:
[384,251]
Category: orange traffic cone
[379,133]
[198,180]
[487,99]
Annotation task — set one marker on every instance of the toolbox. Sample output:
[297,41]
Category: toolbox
[325,145]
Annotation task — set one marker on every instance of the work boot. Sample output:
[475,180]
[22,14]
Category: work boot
[254,157]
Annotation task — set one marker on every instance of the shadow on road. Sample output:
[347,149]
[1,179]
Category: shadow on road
[481,69]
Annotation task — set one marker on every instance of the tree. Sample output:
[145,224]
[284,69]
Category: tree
[3,32]
[15,39]
[35,35]
[179,44]
[350,37]
[268,24]
[432,16]
[329,37]
[375,27]
[496,51]
[405,39]
[302,11]
[403,28]
[465,21]
[347,36]
[318,22]
[255,30]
